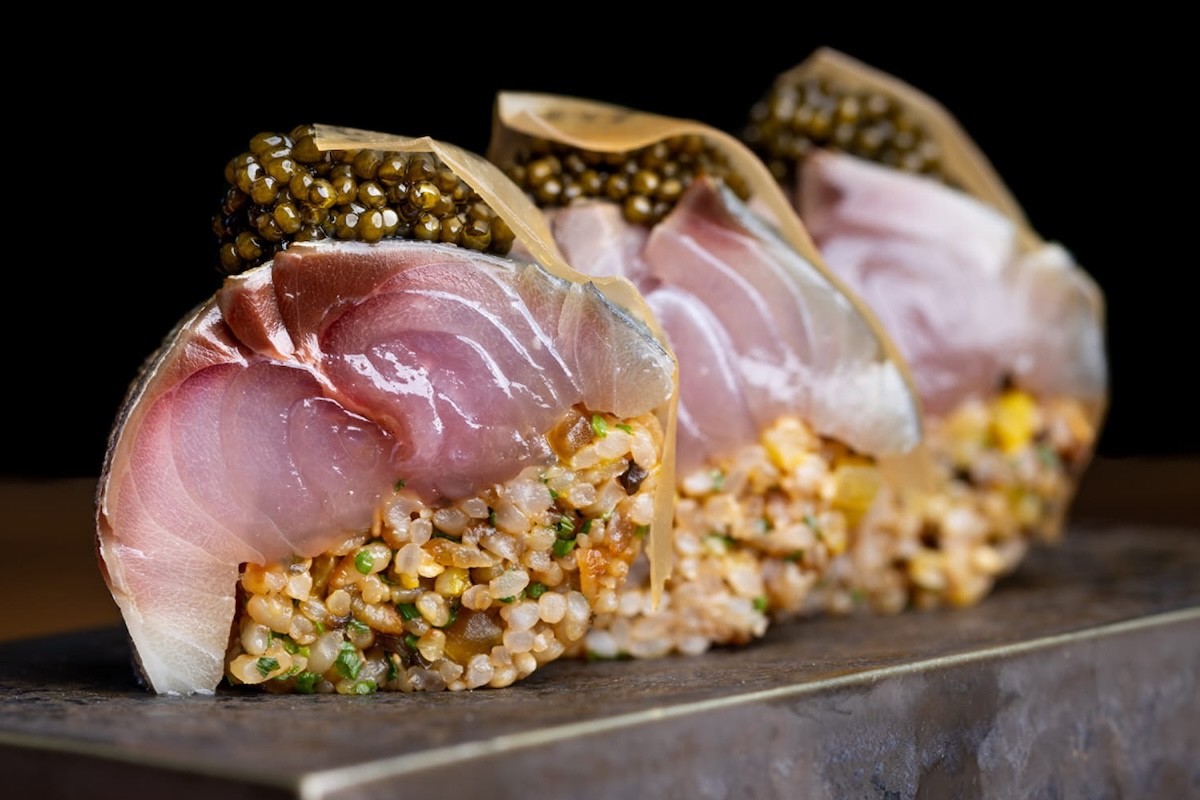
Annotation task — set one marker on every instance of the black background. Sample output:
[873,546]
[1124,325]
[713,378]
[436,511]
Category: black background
[124,127]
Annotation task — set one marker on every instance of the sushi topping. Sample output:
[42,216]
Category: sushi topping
[799,116]
[284,189]
[646,182]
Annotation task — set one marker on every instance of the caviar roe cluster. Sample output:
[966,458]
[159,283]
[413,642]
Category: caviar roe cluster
[646,182]
[283,189]
[800,116]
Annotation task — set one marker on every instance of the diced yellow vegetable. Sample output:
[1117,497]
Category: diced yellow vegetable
[453,582]
[789,443]
[1014,419]
[855,488]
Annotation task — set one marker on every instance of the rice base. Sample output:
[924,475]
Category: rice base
[477,592]
[798,524]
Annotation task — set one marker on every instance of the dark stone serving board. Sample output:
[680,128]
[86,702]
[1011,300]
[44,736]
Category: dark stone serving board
[1078,677]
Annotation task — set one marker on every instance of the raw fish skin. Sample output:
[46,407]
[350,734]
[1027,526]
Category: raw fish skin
[969,308]
[278,414]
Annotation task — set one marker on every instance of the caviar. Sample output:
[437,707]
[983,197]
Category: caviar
[799,116]
[647,182]
[284,190]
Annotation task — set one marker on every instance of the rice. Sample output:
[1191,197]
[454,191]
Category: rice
[477,592]
[797,524]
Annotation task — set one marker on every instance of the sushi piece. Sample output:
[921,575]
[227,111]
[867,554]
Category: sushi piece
[383,461]
[794,411]
[1003,332]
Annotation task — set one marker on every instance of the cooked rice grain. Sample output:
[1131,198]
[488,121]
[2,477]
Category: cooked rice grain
[479,592]
[797,525]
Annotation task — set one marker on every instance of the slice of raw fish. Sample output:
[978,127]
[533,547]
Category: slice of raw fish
[946,275]
[276,416]
[758,331]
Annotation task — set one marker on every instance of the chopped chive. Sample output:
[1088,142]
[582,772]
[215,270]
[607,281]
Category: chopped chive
[760,603]
[724,539]
[506,600]
[587,526]
[553,494]
[393,668]
[400,484]
[599,426]
[364,561]
[536,590]
[438,534]
[565,527]
[492,517]
[319,627]
[411,641]
[365,687]
[306,682]
[453,614]
[267,665]
[796,556]
[563,546]
[1047,456]
[641,530]
[408,610]
[358,626]
[290,673]
[624,427]
[718,479]
[348,662]
[811,522]
[290,645]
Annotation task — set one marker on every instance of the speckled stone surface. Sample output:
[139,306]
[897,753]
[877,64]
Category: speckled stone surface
[1078,677]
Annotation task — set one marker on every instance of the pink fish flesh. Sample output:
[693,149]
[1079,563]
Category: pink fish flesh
[944,274]
[278,414]
[757,330]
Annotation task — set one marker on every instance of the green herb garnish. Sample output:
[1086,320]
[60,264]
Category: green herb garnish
[599,426]
[365,687]
[400,484]
[563,546]
[624,427]
[536,590]
[725,540]
[348,662]
[641,530]
[1047,456]
[267,665]
[453,615]
[718,479]
[408,610]
[358,627]
[761,603]
[291,672]
[565,527]
[306,682]
[811,522]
